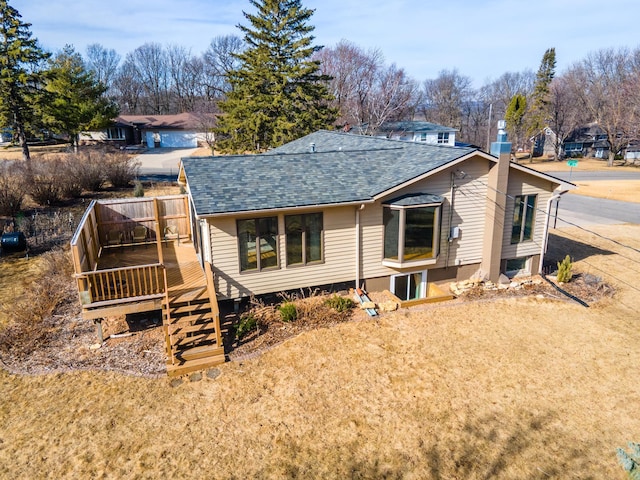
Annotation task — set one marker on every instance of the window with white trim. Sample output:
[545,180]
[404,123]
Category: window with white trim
[443,137]
[116,133]
[409,286]
[258,243]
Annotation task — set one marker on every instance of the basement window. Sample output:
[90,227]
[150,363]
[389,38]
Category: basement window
[412,230]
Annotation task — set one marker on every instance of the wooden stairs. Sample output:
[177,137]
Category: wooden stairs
[192,330]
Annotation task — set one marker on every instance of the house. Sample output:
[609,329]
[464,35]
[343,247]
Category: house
[588,140]
[424,132]
[544,143]
[184,130]
[400,216]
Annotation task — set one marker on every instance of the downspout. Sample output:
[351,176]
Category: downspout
[545,235]
[449,239]
[361,207]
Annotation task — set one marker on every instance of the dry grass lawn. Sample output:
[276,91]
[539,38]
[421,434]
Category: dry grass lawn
[623,190]
[515,388]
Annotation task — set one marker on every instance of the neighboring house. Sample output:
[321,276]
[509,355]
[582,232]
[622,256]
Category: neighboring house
[587,141]
[423,132]
[544,143]
[333,207]
[184,130]
[632,152]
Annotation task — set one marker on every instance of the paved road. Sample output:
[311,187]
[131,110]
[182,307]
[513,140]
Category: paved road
[583,211]
[161,165]
[577,176]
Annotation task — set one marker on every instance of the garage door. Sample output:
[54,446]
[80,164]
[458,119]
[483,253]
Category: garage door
[178,140]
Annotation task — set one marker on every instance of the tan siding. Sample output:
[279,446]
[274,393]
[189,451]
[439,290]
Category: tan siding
[469,207]
[338,266]
[523,184]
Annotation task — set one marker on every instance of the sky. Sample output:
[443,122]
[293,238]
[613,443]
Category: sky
[481,39]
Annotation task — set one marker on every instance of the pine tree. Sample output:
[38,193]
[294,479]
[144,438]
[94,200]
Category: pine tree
[278,93]
[540,110]
[74,100]
[20,74]
[514,117]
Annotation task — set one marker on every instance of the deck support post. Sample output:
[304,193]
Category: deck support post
[98,323]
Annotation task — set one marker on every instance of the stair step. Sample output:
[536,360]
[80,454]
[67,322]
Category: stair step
[187,328]
[189,308]
[185,297]
[204,337]
[193,311]
[195,353]
[182,368]
[192,318]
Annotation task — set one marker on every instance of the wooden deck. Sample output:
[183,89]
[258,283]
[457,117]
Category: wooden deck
[134,256]
[185,276]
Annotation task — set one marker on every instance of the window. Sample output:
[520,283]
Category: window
[409,286]
[518,266]
[116,133]
[572,147]
[423,137]
[411,231]
[304,238]
[523,213]
[443,137]
[258,243]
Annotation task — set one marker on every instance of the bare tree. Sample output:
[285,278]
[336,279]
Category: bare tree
[366,92]
[104,65]
[565,113]
[445,98]
[128,89]
[150,63]
[186,79]
[220,59]
[604,82]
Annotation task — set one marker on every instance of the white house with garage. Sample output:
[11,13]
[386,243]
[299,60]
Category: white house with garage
[184,130]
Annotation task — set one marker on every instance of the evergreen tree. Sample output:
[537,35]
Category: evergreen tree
[278,93]
[514,117]
[20,64]
[540,110]
[74,100]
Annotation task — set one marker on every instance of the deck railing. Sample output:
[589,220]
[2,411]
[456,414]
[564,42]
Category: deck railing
[125,283]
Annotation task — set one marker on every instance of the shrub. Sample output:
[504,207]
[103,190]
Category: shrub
[138,190]
[564,270]
[631,461]
[288,312]
[338,303]
[246,324]
[120,169]
[32,310]
[45,181]
[90,171]
[12,188]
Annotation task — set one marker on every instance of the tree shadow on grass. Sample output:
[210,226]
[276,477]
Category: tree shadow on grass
[560,246]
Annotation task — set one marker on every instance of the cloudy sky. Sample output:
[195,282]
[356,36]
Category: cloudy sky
[482,39]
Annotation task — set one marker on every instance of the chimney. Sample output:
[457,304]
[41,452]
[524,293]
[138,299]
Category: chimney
[498,181]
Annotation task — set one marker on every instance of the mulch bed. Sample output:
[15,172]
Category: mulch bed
[135,345]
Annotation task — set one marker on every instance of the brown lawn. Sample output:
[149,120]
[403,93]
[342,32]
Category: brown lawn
[513,388]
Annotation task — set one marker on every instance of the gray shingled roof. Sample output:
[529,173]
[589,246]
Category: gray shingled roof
[344,168]
[418,127]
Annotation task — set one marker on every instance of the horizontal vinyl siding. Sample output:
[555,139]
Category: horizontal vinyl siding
[523,184]
[338,266]
[469,212]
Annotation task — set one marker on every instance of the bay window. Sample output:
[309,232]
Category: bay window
[412,229]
